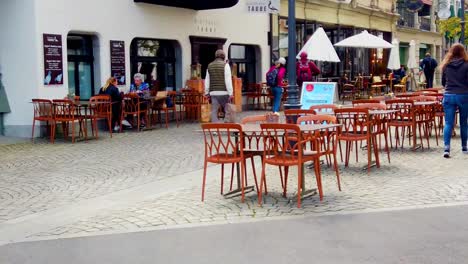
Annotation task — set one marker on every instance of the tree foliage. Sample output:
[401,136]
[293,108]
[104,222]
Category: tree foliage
[452,28]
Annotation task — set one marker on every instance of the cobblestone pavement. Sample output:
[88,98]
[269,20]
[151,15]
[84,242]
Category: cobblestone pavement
[40,177]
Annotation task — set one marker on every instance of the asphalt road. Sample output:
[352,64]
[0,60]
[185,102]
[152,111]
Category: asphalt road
[433,235]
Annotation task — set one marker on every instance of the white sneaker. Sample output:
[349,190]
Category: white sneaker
[126,123]
[276,113]
[116,128]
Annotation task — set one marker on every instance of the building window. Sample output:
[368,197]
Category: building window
[80,65]
[245,57]
[156,60]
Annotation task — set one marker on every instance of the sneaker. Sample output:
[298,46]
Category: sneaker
[116,128]
[465,150]
[276,113]
[126,123]
[446,154]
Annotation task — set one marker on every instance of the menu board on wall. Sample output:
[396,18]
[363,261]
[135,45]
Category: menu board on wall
[53,60]
[117,54]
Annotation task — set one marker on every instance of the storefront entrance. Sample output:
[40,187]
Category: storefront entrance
[156,60]
[203,51]
[245,57]
[80,65]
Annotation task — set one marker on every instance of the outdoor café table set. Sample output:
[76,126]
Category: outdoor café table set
[73,110]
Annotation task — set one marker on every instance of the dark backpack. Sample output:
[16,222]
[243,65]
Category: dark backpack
[305,74]
[272,78]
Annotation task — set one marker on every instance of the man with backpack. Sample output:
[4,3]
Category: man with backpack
[274,79]
[305,70]
[428,64]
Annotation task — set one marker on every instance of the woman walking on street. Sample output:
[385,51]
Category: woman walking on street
[275,78]
[455,80]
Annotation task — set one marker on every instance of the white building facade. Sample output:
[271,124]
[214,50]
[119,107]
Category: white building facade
[160,41]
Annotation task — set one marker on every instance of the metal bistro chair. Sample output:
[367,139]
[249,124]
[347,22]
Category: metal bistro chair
[65,112]
[43,111]
[284,146]
[222,149]
[292,114]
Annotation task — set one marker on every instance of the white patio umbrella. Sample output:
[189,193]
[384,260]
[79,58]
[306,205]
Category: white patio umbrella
[319,47]
[364,40]
[394,59]
[412,63]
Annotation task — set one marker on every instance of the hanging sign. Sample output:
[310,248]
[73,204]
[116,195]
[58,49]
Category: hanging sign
[317,93]
[53,60]
[263,6]
[117,56]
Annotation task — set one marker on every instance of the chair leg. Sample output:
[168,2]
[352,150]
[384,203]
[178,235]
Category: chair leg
[318,176]
[222,178]
[369,157]
[232,175]
[73,132]
[255,174]
[299,184]
[52,132]
[286,173]
[262,180]
[376,151]
[386,145]
[242,181]
[204,180]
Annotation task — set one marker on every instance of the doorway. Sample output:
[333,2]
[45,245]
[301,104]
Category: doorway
[203,51]
[80,65]
[207,55]
[245,56]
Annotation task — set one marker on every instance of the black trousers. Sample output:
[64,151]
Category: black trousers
[429,78]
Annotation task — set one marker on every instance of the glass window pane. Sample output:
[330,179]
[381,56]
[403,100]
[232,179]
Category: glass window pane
[84,73]
[148,48]
[71,77]
[237,52]
[78,45]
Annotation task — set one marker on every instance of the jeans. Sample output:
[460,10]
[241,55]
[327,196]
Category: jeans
[277,94]
[216,101]
[451,103]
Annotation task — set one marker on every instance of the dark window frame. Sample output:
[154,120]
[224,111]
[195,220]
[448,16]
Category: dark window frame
[76,59]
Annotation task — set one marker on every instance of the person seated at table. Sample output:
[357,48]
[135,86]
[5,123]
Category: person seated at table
[110,88]
[142,88]
[400,73]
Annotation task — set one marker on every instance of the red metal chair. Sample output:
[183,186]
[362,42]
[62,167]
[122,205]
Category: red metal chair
[323,108]
[132,106]
[327,139]
[356,127]
[221,147]
[100,107]
[403,118]
[284,146]
[65,112]
[292,114]
[171,96]
[43,111]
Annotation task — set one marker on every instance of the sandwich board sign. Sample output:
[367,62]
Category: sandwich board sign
[317,93]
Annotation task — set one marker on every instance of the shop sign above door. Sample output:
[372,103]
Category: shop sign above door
[263,6]
[53,60]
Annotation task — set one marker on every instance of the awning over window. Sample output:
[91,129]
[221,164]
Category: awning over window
[193,4]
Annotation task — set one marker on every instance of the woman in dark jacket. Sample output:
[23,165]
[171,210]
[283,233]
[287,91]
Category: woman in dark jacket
[110,88]
[455,80]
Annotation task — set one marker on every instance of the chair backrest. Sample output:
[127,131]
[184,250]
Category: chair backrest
[256,119]
[407,95]
[64,109]
[292,114]
[42,108]
[101,104]
[220,141]
[373,106]
[282,140]
[424,98]
[404,80]
[317,119]
[404,107]
[365,101]
[131,103]
[323,108]
[354,120]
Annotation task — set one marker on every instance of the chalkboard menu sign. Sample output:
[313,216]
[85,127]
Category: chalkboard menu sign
[117,54]
[53,60]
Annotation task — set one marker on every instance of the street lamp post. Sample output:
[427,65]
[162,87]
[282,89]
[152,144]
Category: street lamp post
[293,92]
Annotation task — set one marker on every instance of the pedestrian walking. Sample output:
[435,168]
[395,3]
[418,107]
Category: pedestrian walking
[455,80]
[428,64]
[218,85]
[306,69]
[274,79]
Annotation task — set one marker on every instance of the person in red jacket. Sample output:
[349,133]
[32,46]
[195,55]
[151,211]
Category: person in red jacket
[277,73]
[305,70]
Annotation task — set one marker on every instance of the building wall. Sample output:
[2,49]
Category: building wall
[112,20]
[18,62]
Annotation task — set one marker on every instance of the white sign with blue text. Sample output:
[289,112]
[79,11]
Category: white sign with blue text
[316,93]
